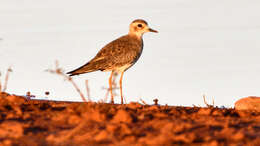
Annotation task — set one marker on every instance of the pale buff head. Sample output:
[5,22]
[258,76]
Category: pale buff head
[139,27]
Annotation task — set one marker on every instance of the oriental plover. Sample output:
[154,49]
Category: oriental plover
[118,55]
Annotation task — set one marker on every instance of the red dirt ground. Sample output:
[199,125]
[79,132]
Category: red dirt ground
[46,123]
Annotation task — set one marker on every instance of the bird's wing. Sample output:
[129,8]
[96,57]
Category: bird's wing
[117,53]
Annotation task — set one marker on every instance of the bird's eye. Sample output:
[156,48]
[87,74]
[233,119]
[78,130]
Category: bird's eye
[140,25]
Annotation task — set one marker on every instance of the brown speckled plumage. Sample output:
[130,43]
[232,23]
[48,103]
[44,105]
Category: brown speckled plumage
[118,55]
[125,50]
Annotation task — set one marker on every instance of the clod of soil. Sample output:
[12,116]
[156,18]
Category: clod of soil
[32,122]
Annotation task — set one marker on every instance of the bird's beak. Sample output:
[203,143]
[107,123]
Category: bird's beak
[152,30]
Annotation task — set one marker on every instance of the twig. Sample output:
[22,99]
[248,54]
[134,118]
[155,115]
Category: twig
[194,105]
[6,78]
[205,102]
[143,101]
[77,89]
[59,71]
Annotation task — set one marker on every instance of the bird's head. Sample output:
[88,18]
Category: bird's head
[139,27]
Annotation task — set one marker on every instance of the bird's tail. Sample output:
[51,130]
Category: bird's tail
[83,69]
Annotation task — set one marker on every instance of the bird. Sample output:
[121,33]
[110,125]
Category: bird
[118,55]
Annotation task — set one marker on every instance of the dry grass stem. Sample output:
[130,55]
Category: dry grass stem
[196,105]
[9,70]
[87,90]
[205,102]
[143,101]
[4,87]
[78,90]
[124,99]
[60,71]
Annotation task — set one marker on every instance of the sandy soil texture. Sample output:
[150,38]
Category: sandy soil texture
[43,123]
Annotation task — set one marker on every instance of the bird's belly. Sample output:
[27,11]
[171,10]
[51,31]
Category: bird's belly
[118,69]
[123,68]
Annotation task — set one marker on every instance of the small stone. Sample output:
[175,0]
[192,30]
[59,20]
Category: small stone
[134,105]
[217,113]
[47,93]
[7,142]
[4,94]
[160,115]
[155,101]
[186,138]
[238,136]
[204,111]
[101,136]
[212,143]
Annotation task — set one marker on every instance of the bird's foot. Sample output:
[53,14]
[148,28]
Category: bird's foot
[112,101]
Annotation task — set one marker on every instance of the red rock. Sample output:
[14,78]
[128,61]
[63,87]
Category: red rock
[74,119]
[94,115]
[11,129]
[16,99]
[129,139]
[4,94]
[238,136]
[248,103]
[111,127]
[212,143]
[134,105]
[204,111]
[6,142]
[122,116]
[125,129]
[102,135]
[187,137]
[153,107]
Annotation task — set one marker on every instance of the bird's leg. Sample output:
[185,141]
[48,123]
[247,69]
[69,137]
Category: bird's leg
[110,87]
[121,92]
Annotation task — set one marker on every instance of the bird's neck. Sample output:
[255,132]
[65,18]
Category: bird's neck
[136,35]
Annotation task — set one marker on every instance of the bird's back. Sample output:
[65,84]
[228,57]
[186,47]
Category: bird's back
[125,50]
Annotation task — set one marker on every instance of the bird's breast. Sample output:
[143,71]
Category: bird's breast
[138,51]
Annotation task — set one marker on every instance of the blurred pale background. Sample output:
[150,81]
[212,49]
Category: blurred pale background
[207,47]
